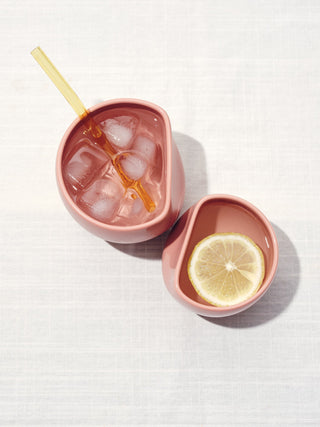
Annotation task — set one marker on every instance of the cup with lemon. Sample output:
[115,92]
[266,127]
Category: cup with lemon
[221,256]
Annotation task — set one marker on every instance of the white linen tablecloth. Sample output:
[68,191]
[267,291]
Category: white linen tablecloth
[89,334]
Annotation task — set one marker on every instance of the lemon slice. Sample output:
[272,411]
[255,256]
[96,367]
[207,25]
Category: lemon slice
[226,268]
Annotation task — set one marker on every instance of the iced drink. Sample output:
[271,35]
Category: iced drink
[137,136]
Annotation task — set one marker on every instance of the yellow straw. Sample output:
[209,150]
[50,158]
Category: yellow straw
[96,132]
[59,81]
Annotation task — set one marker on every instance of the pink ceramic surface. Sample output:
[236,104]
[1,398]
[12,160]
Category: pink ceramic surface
[215,214]
[173,189]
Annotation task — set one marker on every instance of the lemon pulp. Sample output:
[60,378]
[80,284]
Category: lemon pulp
[226,268]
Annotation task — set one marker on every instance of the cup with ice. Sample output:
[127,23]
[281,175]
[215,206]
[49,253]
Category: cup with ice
[96,186]
[118,171]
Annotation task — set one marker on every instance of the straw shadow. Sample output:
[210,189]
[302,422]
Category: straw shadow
[278,297]
[194,163]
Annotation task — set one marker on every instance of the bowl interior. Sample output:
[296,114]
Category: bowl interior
[222,215]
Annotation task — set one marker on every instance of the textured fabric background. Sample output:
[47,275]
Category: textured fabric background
[89,335]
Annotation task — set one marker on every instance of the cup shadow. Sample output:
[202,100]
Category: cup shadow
[194,163]
[279,295]
[151,249]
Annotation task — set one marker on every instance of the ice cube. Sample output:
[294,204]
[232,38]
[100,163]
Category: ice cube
[84,162]
[101,200]
[137,206]
[131,206]
[146,147]
[133,165]
[120,131]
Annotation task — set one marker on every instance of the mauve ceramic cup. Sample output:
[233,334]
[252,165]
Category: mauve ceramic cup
[173,188]
[215,214]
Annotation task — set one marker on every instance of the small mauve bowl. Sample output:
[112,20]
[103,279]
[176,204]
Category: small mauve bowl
[216,214]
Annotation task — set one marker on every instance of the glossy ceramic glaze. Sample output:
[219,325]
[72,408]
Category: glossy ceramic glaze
[215,214]
[173,189]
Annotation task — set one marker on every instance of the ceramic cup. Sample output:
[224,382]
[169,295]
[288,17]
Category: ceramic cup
[216,214]
[172,189]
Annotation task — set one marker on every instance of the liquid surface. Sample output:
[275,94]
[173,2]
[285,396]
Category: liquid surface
[137,137]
